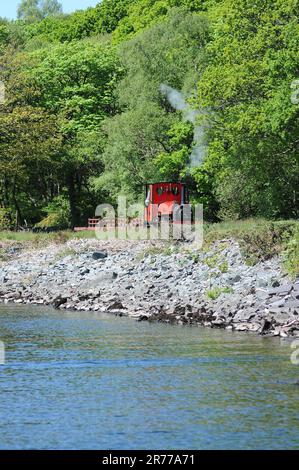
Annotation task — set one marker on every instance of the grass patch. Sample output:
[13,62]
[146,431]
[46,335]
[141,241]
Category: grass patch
[165,250]
[3,255]
[40,240]
[223,267]
[64,253]
[259,239]
[212,261]
[291,255]
[195,257]
[84,234]
[217,291]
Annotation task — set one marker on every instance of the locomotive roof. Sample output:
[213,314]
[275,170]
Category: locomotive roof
[165,182]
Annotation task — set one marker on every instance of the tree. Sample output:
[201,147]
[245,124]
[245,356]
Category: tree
[35,10]
[110,13]
[28,10]
[254,141]
[50,8]
[77,82]
[142,14]
[106,123]
[150,140]
[29,143]
[63,28]
[134,138]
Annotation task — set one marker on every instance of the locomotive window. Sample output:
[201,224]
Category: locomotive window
[160,190]
[175,191]
[148,198]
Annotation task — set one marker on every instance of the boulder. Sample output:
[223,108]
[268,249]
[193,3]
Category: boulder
[281,290]
[84,271]
[97,255]
[59,300]
[143,318]
[116,305]
[267,325]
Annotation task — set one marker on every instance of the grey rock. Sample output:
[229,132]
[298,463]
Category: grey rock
[267,325]
[261,294]
[276,304]
[84,271]
[59,300]
[143,318]
[281,290]
[281,318]
[262,282]
[292,303]
[243,315]
[116,305]
[170,289]
[97,255]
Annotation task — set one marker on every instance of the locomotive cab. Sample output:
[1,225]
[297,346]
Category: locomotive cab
[165,201]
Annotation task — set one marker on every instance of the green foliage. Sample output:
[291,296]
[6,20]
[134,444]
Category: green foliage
[5,219]
[85,117]
[252,61]
[110,13]
[50,8]
[164,249]
[148,140]
[29,142]
[77,81]
[4,34]
[212,261]
[223,267]
[259,239]
[29,10]
[142,14]
[203,189]
[64,28]
[291,254]
[267,242]
[58,214]
[171,164]
[133,140]
[217,291]
[30,239]
[102,19]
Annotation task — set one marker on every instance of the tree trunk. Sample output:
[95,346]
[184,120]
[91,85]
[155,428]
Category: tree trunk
[17,207]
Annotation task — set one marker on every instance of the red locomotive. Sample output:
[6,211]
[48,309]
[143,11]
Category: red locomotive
[165,201]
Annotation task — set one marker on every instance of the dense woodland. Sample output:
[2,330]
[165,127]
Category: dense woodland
[86,116]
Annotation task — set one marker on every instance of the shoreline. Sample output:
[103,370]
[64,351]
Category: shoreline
[157,282]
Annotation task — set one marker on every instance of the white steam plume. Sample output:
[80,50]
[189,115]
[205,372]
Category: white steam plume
[178,102]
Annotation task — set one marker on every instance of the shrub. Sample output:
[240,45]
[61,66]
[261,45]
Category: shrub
[217,291]
[5,219]
[58,215]
[259,239]
[291,255]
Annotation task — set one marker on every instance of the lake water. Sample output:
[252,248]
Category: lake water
[86,381]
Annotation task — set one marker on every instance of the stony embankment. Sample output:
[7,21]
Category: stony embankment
[157,282]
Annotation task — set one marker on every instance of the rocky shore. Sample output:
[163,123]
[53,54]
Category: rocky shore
[152,281]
